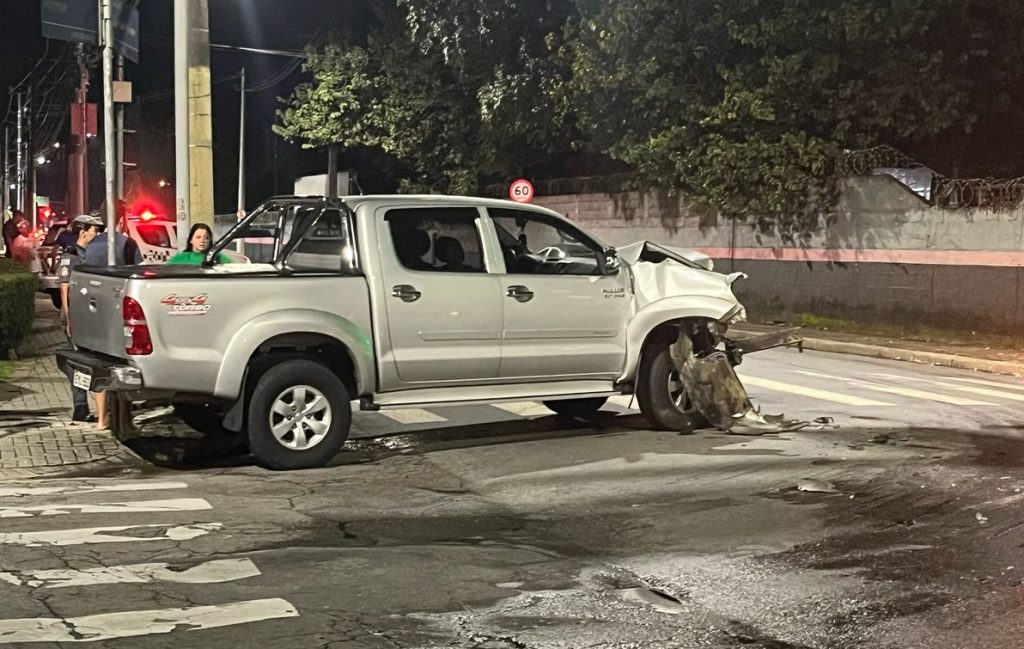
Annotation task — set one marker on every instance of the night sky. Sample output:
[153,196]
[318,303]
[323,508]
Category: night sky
[273,24]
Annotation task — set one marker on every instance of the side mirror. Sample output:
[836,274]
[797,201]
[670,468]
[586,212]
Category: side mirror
[610,262]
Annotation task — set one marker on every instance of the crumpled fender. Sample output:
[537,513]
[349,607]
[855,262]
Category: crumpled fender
[268,325]
[672,308]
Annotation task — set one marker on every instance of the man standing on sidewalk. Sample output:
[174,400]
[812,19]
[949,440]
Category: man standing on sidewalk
[127,249]
[87,227]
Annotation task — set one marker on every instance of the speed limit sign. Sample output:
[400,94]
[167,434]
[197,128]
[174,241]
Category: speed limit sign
[521,191]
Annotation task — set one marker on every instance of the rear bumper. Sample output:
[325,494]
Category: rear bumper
[104,373]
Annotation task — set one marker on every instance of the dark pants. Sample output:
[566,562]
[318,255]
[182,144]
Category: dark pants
[80,399]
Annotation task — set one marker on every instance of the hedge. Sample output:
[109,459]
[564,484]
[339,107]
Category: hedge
[17,304]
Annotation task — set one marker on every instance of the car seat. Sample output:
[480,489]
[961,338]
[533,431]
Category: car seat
[451,255]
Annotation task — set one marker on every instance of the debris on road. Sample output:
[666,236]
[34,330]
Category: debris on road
[815,485]
[981,517]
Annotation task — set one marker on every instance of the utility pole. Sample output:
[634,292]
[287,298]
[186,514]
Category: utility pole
[78,156]
[19,160]
[119,119]
[5,198]
[241,142]
[193,114]
[109,137]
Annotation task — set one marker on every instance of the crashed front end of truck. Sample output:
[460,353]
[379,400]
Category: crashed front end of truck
[703,350]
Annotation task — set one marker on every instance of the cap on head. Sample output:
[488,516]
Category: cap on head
[87,220]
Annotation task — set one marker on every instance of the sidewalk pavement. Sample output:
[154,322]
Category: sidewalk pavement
[964,356]
[38,439]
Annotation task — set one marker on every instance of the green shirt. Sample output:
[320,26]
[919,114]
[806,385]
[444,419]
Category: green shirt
[193,258]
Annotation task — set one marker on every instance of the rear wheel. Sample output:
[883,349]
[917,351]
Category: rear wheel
[55,299]
[576,407]
[299,416]
[660,392]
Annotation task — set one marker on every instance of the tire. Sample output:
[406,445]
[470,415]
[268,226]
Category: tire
[660,395]
[576,407]
[202,417]
[55,299]
[310,442]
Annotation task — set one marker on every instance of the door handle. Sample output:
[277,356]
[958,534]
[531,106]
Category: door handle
[406,293]
[520,293]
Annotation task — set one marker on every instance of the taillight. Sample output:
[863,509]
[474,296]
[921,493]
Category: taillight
[137,340]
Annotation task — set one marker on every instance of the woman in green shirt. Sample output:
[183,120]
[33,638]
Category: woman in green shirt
[200,238]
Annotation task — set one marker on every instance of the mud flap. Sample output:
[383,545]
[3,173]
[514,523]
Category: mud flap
[717,393]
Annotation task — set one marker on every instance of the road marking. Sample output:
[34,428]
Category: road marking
[412,416]
[74,491]
[88,535]
[129,624]
[906,392]
[524,408]
[985,392]
[995,384]
[211,572]
[814,393]
[174,505]
[624,401]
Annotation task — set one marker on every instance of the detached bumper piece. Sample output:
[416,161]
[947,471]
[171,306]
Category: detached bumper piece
[717,394]
[736,349]
[97,373]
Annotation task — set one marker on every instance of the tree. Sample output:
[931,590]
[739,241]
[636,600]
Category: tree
[459,92]
[745,104]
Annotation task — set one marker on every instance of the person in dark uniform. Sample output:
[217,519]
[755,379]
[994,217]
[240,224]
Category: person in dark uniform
[87,227]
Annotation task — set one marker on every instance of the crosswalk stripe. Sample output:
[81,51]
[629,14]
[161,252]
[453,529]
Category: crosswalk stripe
[174,505]
[627,401]
[814,393]
[906,392]
[995,384]
[142,485]
[88,535]
[524,408]
[129,624]
[412,416]
[211,572]
[971,389]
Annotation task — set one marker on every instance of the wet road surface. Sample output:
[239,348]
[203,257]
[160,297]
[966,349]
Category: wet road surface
[536,532]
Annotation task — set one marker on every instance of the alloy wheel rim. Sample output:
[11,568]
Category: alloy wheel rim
[300,417]
[677,393]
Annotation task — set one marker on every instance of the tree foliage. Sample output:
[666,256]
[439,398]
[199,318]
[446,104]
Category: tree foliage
[458,91]
[744,104]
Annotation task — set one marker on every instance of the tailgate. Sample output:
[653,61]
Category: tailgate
[96,322]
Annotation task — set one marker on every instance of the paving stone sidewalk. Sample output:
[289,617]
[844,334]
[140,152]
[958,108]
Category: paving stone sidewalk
[37,436]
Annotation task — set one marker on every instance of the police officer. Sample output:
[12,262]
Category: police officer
[86,227]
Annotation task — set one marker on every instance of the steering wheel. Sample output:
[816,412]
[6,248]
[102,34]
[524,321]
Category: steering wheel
[552,253]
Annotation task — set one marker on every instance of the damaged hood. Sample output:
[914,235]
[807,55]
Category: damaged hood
[661,272]
[648,251]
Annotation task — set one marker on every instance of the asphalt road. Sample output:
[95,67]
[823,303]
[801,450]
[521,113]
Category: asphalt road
[503,527]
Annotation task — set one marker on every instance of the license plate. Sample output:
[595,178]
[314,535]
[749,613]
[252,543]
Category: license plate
[81,380]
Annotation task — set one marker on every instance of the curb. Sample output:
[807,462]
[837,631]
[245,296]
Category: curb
[931,358]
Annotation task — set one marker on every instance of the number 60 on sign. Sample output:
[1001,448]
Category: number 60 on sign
[521,191]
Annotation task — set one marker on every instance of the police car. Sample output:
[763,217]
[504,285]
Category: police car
[156,235]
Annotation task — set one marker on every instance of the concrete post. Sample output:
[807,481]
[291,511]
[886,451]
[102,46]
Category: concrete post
[109,130]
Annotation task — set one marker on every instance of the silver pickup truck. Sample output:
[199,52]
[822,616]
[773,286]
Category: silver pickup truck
[394,301]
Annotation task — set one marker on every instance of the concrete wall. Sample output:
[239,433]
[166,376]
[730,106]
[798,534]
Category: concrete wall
[887,255]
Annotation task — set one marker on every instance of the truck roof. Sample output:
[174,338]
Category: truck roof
[425,199]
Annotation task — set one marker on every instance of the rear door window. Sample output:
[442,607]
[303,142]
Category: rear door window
[437,239]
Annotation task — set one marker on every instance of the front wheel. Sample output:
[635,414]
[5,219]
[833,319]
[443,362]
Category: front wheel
[660,392]
[299,416]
